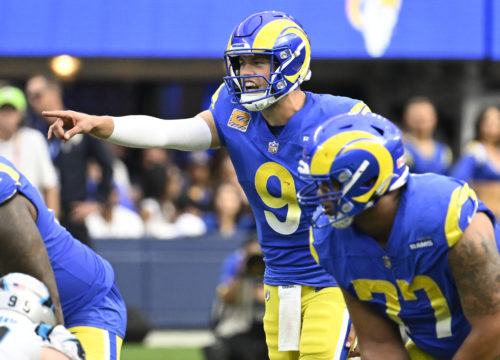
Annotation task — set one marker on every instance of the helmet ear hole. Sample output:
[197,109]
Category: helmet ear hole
[369,183]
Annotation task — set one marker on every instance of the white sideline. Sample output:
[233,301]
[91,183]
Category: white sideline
[179,338]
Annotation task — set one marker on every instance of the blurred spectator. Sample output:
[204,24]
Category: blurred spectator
[165,209]
[228,215]
[423,152]
[222,170]
[238,308]
[480,163]
[26,147]
[127,193]
[114,221]
[44,92]
[199,190]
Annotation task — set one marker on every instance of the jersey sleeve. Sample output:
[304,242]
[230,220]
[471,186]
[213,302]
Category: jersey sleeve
[461,208]
[217,105]
[9,180]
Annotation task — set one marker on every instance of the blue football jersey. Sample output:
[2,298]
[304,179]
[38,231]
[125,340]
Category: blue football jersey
[476,165]
[409,281]
[83,278]
[266,167]
[439,162]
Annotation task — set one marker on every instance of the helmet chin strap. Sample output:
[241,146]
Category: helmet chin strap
[342,223]
[254,104]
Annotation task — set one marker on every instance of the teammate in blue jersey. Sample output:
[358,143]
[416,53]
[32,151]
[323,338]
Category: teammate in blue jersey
[92,306]
[418,252]
[263,118]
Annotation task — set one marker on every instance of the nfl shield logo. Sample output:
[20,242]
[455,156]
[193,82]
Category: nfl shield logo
[273,147]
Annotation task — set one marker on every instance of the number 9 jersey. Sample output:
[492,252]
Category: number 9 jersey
[266,166]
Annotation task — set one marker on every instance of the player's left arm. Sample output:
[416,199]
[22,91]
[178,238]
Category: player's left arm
[384,343]
[22,248]
[475,263]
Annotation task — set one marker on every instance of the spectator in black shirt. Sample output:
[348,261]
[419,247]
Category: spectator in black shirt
[44,92]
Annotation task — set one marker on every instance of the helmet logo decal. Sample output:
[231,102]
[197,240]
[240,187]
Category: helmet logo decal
[239,120]
[355,140]
[326,153]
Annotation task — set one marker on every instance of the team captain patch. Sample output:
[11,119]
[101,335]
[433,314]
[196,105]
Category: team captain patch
[239,120]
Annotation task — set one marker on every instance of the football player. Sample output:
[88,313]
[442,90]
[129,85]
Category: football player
[412,251]
[28,328]
[92,306]
[262,117]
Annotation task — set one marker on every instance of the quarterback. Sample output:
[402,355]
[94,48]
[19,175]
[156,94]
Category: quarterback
[263,118]
[416,252]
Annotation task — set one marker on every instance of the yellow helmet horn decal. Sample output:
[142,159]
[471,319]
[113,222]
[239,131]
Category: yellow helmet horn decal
[325,155]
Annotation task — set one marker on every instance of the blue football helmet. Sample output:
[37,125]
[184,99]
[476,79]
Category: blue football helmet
[28,296]
[358,158]
[281,37]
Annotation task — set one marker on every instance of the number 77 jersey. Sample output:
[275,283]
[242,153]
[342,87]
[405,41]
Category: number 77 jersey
[409,281]
[266,167]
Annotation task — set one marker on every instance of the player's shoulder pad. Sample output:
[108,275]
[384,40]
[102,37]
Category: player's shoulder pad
[343,104]
[220,93]
[462,206]
[437,204]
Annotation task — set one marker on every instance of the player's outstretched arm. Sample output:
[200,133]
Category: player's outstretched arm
[385,343]
[193,134]
[475,263]
[22,248]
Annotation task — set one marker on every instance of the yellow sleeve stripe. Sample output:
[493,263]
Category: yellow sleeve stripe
[452,224]
[215,96]
[311,245]
[360,107]
[11,172]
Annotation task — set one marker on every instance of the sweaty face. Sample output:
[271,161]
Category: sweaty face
[255,65]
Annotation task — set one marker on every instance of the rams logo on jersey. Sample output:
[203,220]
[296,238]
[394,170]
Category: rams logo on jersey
[239,120]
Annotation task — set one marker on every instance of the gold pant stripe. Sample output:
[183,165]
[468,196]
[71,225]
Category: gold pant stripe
[98,343]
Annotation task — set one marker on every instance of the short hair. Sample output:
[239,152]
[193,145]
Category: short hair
[50,79]
[417,100]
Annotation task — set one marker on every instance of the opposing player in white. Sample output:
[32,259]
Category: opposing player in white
[27,320]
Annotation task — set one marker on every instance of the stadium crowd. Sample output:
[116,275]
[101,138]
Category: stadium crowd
[116,192]
[110,191]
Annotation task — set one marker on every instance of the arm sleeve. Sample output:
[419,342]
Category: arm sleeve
[142,131]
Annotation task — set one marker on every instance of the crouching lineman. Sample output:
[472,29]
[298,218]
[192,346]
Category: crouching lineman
[411,251]
[92,306]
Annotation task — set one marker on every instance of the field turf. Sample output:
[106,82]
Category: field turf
[140,352]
